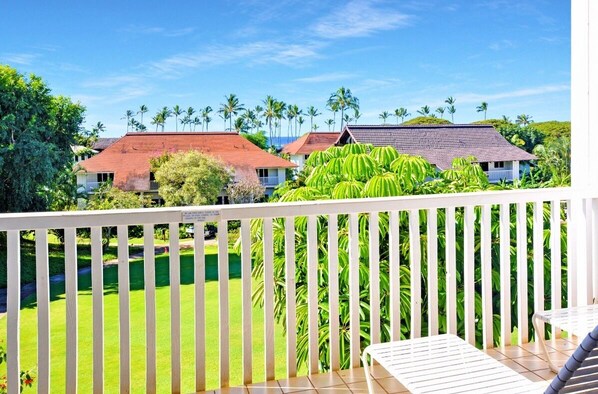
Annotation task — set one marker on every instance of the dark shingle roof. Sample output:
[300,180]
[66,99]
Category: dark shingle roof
[103,143]
[440,144]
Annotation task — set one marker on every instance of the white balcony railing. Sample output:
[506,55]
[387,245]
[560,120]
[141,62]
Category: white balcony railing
[269,180]
[499,175]
[517,223]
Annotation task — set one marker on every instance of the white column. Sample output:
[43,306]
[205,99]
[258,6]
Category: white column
[515,169]
[584,39]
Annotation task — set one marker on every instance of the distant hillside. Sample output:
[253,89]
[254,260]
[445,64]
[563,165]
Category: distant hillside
[494,122]
[425,120]
[553,128]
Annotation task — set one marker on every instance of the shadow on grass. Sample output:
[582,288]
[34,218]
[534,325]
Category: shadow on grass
[136,275]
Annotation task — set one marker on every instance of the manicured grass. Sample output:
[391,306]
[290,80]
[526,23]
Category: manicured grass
[111,337]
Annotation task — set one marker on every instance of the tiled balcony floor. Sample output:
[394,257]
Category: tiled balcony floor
[527,360]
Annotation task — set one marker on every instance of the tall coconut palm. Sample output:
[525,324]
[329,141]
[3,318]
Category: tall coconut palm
[186,120]
[190,113]
[231,108]
[142,109]
[157,120]
[128,115]
[483,108]
[329,123]
[451,110]
[196,122]
[356,115]
[165,113]
[347,119]
[270,113]
[205,115]
[506,119]
[315,127]
[524,120]
[98,128]
[450,100]
[291,115]
[176,111]
[300,121]
[424,111]
[343,99]
[440,111]
[401,113]
[312,112]
[279,110]
[384,115]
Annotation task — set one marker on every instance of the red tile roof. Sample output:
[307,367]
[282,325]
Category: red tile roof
[129,157]
[311,142]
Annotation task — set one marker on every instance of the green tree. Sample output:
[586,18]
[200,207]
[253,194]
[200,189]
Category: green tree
[424,111]
[343,99]
[36,134]
[384,115]
[312,112]
[554,129]
[231,108]
[205,115]
[356,115]
[329,123]
[142,110]
[451,107]
[128,116]
[523,119]
[554,162]
[525,137]
[245,191]
[191,178]
[483,108]
[440,111]
[258,138]
[176,111]
[425,120]
[164,113]
[401,113]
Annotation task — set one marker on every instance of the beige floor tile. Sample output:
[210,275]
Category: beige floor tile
[495,354]
[545,374]
[362,387]
[232,390]
[340,389]
[271,387]
[532,376]
[292,385]
[561,344]
[514,366]
[513,351]
[531,363]
[352,375]
[378,372]
[326,380]
[391,385]
[311,391]
[535,348]
[556,357]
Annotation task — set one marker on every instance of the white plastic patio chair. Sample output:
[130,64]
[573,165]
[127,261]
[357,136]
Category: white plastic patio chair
[444,364]
[576,321]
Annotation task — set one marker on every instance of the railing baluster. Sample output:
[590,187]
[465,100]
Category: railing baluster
[415,260]
[394,276]
[335,363]
[97,292]
[312,293]
[432,245]
[354,329]
[522,318]
[289,245]
[72,318]
[468,274]
[223,278]
[13,309]
[374,279]
[175,307]
[451,271]
[505,275]
[571,257]
[486,259]
[246,300]
[594,246]
[555,259]
[43,311]
[123,308]
[149,276]
[538,242]
[199,264]
[268,299]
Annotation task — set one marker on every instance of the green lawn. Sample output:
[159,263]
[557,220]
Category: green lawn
[58,325]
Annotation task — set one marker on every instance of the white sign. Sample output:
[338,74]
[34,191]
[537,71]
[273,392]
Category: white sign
[200,216]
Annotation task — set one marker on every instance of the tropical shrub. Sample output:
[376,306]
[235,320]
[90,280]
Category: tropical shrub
[425,120]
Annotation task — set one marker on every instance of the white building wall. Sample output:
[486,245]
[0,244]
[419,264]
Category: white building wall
[299,160]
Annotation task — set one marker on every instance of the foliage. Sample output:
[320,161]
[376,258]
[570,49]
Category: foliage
[525,137]
[109,197]
[259,139]
[554,129]
[496,123]
[36,134]
[554,162]
[425,120]
[191,178]
[26,377]
[245,191]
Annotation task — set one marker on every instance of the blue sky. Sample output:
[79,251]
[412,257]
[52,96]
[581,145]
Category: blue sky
[113,55]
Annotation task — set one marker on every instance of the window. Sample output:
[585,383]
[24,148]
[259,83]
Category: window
[262,172]
[484,166]
[105,176]
[499,164]
[306,157]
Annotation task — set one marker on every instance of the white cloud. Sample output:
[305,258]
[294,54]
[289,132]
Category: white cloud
[19,58]
[502,44]
[135,29]
[330,77]
[359,18]
[535,91]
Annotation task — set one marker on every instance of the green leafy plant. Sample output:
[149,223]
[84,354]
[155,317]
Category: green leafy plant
[26,377]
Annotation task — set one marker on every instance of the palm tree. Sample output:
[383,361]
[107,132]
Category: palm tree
[384,115]
[451,110]
[506,119]
[128,115]
[165,114]
[279,111]
[524,120]
[270,113]
[440,111]
[343,99]
[291,114]
[196,121]
[333,107]
[142,109]
[190,112]
[157,120]
[451,106]
[330,123]
[356,115]
[231,108]
[424,111]
[347,119]
[205,115]
[176,111]
[315,127]
[312,112]
[300,121]
[483,108]
[98,128]
[401,113]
